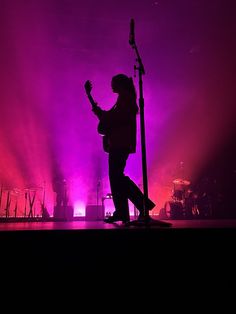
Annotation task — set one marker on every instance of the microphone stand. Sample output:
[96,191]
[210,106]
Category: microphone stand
[147,220]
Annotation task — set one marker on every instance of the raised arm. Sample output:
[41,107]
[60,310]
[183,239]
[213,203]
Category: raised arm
[88,88]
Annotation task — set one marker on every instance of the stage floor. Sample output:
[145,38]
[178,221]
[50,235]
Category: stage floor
[88,225]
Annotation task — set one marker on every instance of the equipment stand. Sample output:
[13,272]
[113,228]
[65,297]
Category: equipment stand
[147,220]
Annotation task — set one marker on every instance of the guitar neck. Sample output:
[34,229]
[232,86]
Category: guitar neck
[93,103]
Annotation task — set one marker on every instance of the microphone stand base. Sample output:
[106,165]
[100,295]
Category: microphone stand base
[147,221]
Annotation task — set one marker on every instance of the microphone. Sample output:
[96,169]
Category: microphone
[131,34]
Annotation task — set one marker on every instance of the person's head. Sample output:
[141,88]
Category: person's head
[122,84]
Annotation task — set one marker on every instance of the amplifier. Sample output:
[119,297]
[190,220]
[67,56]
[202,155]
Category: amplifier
[63,212]
[94,212]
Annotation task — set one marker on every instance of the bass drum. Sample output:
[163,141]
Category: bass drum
[174,210]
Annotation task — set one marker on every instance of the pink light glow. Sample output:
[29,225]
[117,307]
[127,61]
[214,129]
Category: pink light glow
[49,49]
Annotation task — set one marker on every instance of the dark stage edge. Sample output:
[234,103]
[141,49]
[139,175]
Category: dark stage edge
[84,242]
[91,258]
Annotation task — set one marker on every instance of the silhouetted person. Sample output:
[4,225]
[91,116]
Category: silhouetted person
[60,188]
[118,127]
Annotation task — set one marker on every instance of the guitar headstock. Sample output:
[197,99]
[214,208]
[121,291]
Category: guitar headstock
[88,86]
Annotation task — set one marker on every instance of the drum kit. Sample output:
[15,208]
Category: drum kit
[184,203]
[16,202]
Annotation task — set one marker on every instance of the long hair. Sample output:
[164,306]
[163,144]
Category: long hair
[125,84]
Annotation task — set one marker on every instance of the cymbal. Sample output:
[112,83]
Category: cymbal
[181,182]
[33,188]
[17,192]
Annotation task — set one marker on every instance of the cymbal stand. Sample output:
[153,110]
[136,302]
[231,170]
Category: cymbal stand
[31,204]
[98,188]
[8,204]
[25,207]
[15,209]
[1,191]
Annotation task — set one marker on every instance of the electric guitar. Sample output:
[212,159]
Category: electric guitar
[100,128]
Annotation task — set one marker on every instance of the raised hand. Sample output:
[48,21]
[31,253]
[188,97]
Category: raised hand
[88,86]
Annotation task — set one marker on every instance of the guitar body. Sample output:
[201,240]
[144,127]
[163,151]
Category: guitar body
[105,143]
[101,129]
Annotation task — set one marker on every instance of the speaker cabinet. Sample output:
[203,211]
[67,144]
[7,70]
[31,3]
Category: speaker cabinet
[63,212]
[94,212]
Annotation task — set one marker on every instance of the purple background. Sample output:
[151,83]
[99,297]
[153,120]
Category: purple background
[50,47]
